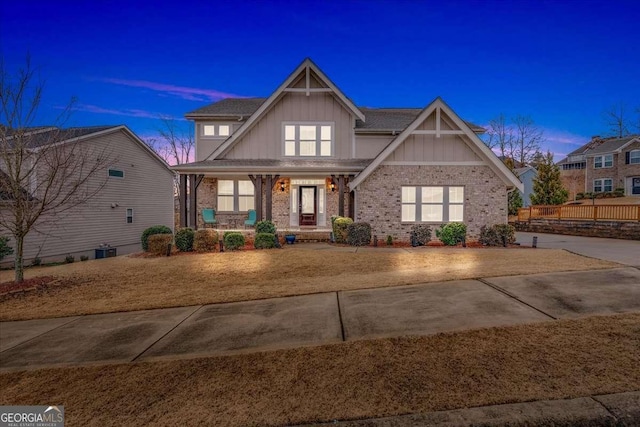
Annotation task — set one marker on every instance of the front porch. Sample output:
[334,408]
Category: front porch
[303,204]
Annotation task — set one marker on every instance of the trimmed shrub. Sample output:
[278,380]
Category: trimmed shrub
[340,225]
[155,229]
[84,258]
[265,226]
[497,234]
[618,192]
[233,240]
[359,233]
[69,259]
[420,234]
[451,234]
[5,249]
[158,243]
[205,240]
[579,196]
[184,239]
[265,241]
[389,240]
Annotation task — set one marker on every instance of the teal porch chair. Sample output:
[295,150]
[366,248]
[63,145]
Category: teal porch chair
[209,217]
[251,219]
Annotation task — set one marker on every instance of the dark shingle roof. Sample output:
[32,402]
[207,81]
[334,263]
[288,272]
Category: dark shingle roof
[40,136]
[599,145]
[388,119]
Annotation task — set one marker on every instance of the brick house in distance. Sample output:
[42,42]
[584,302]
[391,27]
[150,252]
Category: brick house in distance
[602,165]
[307,152]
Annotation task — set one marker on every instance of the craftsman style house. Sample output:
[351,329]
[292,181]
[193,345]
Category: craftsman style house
[602,165]
[307,152]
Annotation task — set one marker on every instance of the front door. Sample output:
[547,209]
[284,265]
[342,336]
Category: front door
[308,207]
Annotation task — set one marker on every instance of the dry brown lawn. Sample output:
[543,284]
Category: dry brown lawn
[126,283]
[362,379]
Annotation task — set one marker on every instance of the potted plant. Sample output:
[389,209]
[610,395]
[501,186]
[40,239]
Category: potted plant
[289,237]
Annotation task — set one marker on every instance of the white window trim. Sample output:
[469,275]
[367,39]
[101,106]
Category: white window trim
[602,159]
[318,139]
[445,204]
[236,196]
[630,155]
[115,169]
[216,131]
[602,185]
[126,217]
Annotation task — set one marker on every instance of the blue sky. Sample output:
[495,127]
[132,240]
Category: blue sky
[560,62]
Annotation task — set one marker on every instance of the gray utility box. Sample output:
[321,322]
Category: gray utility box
[106,252]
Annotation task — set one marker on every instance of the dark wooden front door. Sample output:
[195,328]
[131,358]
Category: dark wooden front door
[308,207]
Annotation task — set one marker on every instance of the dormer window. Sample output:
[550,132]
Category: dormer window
[215,130]
[308,140]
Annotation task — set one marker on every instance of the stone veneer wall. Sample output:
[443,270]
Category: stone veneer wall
[378,198]
[612,229]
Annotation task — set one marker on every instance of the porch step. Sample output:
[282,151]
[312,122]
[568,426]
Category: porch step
[312,236]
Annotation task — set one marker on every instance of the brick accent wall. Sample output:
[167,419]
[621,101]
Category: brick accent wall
[609,229]
[378,198]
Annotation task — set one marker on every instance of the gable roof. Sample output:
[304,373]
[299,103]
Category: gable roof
[306,65]
[599,145]
[479,147]
[377,119]
[521,171]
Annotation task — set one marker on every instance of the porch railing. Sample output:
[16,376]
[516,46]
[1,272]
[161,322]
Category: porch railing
[582,212]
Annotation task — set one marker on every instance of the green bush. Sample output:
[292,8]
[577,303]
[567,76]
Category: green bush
[69,259]
[84,258]
[389,240]
[358,233]
[205,240]
[618,192]
[265,226]
[184,239]
[156,229]
[579,196]
[497,234]
[451,234]
[233,240]
[5,249]
[265,241]
[420,234]
[158,243]
[340,225]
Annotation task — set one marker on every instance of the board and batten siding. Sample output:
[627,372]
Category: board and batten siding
[369,146]
[207,145]
[428,148]
[147,188]
[265,139]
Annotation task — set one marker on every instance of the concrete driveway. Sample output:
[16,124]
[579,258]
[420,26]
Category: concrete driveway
[617,250]
[316,319]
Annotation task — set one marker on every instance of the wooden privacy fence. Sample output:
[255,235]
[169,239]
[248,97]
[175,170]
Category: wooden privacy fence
[582,212]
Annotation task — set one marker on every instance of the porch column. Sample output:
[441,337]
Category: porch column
[269,185]
[352,200]
[182,200]
[193,202]
[257,185]
[341,195]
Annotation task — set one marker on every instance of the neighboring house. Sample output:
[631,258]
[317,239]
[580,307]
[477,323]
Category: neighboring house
[526,176]
[307,152]
[137,193]
[602,165]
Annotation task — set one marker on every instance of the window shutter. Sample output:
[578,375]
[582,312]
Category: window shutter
[627,157]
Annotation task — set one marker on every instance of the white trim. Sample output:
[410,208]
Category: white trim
[126,216]
[433,163]
[307,63]
[476,145]
[307,91]
[437,133]
[297,140]
[627,144]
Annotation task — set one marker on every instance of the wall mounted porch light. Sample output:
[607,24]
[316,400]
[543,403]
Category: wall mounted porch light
[281,185]
[332,186]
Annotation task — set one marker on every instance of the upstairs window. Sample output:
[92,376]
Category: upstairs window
[215,130]
[308,140]
[605,161]
[116,173]
[634,157]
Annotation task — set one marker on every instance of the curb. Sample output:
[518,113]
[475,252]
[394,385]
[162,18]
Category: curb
[621,409]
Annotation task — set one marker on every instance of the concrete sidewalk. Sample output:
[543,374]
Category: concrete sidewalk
[316,319]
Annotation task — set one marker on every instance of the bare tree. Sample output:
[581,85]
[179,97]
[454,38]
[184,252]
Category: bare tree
[617,120]
[499,137]
[174,145]
[45,171]
[528,138]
